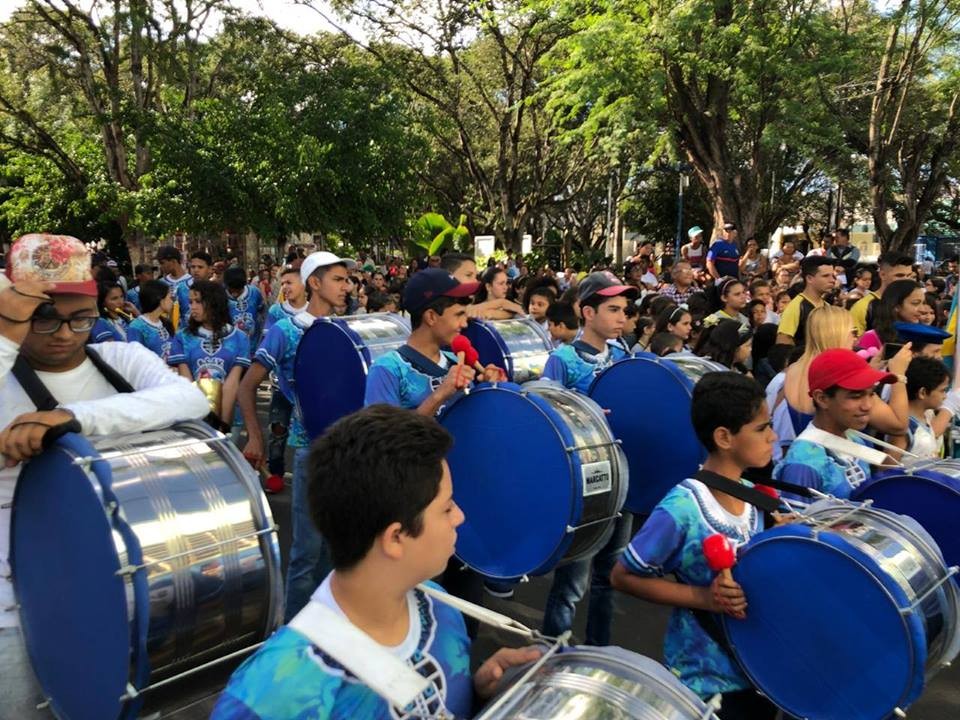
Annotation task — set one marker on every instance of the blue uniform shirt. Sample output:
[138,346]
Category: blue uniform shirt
[133,297]
[671,542]
[726,256]
[109,330]
[576,365]
[152,336]
[245,311]
[207,358]
[291,678]
[811,465]
[279,311]
[181,294]
[393,380]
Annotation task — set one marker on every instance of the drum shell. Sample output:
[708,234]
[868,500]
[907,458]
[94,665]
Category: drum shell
[519,345]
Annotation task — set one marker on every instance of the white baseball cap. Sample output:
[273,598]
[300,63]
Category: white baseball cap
[322,259]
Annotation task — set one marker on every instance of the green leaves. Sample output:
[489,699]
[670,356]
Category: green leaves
[433,232]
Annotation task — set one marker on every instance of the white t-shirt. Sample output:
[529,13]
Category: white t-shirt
[161,398]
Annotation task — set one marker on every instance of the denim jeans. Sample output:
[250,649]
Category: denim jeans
[309,560]
[19,691]
[280,412]
[570,584]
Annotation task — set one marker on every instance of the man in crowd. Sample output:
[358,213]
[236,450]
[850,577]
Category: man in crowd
[682,286]
[723,258]
[694,252]
[142,273]
[892,265]
[819,281]
[846,254]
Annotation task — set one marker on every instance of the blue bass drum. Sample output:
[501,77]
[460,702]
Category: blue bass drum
[330,372]
[538,475]
[649,402]
[929,492]
[136,560]
[520,346]
[850,612]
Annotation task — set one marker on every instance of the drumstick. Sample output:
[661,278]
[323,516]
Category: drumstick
[461,356]
[719,554]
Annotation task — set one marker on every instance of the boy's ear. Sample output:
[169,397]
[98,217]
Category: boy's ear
[723,438]
[818,397]
[922,394]
[390,541]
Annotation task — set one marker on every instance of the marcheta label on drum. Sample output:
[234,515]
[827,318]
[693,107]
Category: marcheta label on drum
[597,478]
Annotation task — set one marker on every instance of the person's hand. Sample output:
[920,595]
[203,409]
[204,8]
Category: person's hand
[17,305]
[726,596]
[23,437]
[457,378]
[898,363]
[488,675]
[130,309]
[253,451]
[780,518]
[492,373]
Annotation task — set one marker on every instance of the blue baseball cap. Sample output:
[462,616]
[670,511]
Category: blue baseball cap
[427,285]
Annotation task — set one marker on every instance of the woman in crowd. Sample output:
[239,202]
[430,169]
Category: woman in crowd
[152,328]
[726,343]
[902,301]
[753,263]
[492,295]
[115,314]
[729,300]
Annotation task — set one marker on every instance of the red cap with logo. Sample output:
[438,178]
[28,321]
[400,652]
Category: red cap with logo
[845,369]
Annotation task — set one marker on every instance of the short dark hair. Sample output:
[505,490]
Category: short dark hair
[562,313]
[663,343]
[202,255]
[724,399]
[843,231]
[375,467]
[452,261]
[143,268]
[376,301]
[758,283]
[811,265]
[544,291]
[893,258]
[925,373]
[234,278]
[596,300]
[439,306]
[152,293]
[290,268]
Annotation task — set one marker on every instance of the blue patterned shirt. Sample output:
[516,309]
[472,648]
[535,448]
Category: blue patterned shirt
[289,677]
[181,293]
[279,311]
[152,336]
[109,330]
[395,381]
[246,311]
[207,358]
[576,365]
[811,465]
[133,297]
[671,542]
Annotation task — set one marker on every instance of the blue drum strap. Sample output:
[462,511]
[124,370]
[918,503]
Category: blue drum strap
[421,362]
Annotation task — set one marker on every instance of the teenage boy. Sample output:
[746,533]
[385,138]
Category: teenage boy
[932,408]
[824,456]
[246,302]
[382,495]
[603,301]
[142,273]
[294,295]
[562,323]
[819,280]
[174,275]
[200,267]
[891,266]
[325,277]
[731,420]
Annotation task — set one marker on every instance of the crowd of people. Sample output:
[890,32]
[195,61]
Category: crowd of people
[807,337]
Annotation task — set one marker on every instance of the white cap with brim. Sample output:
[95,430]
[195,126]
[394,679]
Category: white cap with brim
[316,260]
[694,231]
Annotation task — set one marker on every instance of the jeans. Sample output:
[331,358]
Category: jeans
[19,691]
[280,412]
[309,559]
[570,585]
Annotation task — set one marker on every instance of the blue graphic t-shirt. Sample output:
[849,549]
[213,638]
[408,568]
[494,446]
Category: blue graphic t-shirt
[726,256]
[278,354]
[209,358]
[289,677]
[109,330]
[153,336]
[133,297]
[245,311]
[393,380]
[671,542]
[279,311]
[812,465]
[576,365]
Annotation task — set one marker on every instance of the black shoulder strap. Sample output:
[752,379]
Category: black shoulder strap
[39,394]
[737,490]
[119,382]
[421,362]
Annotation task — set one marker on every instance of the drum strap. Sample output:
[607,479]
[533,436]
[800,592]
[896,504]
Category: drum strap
[39,394]
[738,490]
[421,362]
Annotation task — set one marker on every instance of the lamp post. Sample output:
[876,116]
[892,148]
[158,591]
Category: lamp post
[684,182]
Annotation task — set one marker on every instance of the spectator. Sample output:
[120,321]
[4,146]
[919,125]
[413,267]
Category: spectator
[723,258]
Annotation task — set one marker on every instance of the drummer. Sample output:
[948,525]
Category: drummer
[325,277]
[603,301]
[45,321]
[382,495]
[464,268]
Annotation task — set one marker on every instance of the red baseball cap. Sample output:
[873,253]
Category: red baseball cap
[59,259]
[845,369]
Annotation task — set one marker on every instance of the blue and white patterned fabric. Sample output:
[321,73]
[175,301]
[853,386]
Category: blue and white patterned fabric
[576,365]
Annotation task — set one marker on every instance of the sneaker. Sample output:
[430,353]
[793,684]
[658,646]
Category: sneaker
[273,484]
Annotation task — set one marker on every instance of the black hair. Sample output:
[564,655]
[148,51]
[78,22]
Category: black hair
[664,343]
[452,261]
[843,231]
[596,300]
[376,301]
[758,283]
[216,307]
[143,268]
[487,277]
[719,289]
[373,468]
[562,313]
[720,342]
[893,258]
[670,316]
[939,284]
[234,278]
[811,264]
[764,338]
[885,309]
[439,306]
[724,400]
[544,291]
[202,255]
[751,305]
[289,268]
[103,289]
[152,293]
[925,373]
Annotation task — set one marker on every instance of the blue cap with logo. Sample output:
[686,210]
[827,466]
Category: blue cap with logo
[427,285]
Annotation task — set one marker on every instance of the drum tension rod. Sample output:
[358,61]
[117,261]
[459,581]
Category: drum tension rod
[130,569]
[571,528]
[951,571]
[595,446]
[830,522]
[713,704]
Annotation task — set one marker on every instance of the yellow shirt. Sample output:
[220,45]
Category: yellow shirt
[859,311]
[790,319]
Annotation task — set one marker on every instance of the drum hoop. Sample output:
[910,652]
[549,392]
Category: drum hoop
[490,329]
[670,367]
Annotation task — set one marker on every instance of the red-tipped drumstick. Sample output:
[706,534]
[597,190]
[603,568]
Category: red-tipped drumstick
[719,554]
[767,490]
[462,344]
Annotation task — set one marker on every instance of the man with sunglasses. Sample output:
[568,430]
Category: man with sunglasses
[52,382]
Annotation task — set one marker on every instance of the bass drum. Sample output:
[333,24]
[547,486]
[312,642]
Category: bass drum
[538,475]
[648,399]
[851,612]
[520,346]
[334,355]
[585,683]
[137,559]
[929,492]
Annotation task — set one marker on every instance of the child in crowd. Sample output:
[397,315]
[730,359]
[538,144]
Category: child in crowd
[931,408]
[562,323]
[537,302]
[381,302]
[152,328]
[731,420]
[665,343]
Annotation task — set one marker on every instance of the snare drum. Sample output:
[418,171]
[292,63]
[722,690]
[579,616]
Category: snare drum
[137,559]
[929,492]
[520,346]
[330,371]
[584,683]
[850,612]
[538,475]
[649,402]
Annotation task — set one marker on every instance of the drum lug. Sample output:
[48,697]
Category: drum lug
[45,705]
[131,694]
[713,704]
[899,713]
[817,527]
[571,528]
[929,591]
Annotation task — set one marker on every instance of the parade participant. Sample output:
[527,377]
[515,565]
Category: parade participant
[174,274]
[114,315]
[891,266]
[294,296]
[723,258]
[245,302]
[382,495]
[141,273]
[603,300]
[211,349]
[729,299]
[932,408]
[682,286]
[731,421]
[562,323]
[694,251]
[819,280]
[842,388]
[200,267]
[324,275]
[491,301]
[151,328]
[51,380]
[675,320]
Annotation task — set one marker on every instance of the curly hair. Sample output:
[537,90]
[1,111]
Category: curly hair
[216,308]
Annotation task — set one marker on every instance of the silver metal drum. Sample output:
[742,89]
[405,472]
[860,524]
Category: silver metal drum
[162,541]
[694,366]
[520,346]
[380,332]
[589,683]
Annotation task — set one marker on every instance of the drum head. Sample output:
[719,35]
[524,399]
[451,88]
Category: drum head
[61,538]
[929,497]
[331,374]
[512,479]
[824,637]
[649,404]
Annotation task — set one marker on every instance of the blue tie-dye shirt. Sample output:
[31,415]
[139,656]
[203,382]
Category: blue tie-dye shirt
[395,381]
[576,365]
[208,358]
[153,336]
[812,465]
[289,677]
[246,311]
[671,542]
